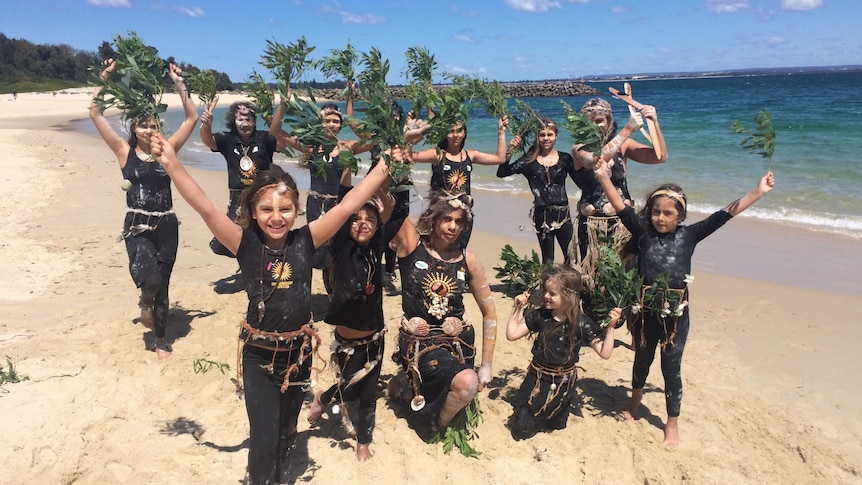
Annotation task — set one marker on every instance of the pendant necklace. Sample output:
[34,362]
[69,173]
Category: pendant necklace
[261,306]
[245,163]
[369,286]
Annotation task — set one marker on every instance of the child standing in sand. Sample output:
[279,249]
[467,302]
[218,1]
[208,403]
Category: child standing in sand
[560,329]
[664,248]
[277,339]
[356,312]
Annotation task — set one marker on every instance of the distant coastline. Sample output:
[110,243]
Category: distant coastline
[761,71]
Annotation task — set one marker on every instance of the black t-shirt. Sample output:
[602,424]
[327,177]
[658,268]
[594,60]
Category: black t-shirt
[281,277]
[357,299]
[552,343]
[259,149]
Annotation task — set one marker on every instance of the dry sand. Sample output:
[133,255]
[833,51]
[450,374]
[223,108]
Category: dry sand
[771,372]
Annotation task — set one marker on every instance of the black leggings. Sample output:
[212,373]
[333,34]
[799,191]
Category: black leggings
[671,355]
[151,260]
[272,415]
[364,391]
[543,220]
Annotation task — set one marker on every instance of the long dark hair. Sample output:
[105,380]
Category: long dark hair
[230,115]
[533,152]
[675,193]
[440,204]
[442,143]
[275,177]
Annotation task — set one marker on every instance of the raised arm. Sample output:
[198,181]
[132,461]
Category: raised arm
[181,136]
[219,224]
[766,184]
[482,293]
[280,135]
[206,131]
[496,158]
[115,142]
[603,175]
[641,153]
[585,159]
[324,228]
[516,327]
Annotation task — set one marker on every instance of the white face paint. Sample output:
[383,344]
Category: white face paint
[245,123]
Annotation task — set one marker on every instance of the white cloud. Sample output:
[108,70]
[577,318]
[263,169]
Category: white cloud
[464,38]
[191,12]
[619,9]
[776,41]
[364,19]
[801,4]
[726,6]
[464,70]
[110,3]
[533,5]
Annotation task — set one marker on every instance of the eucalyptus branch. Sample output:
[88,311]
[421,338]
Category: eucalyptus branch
[762,140]
[262,95]
[202,366]
[524,123]
[135,86]
[583,130]
[339,63]
[461,430]
[518,274]
[287,62]
[203,83]
[419,74]
[614,286]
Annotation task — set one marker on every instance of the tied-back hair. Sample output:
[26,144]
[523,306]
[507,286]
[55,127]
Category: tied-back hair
[442,203]
[645,214]
[601,106]
[276,178]
[230,115]
[533,152]
[571,286]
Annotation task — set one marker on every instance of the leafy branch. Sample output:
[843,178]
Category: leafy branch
[135,86]
[663,300]
[339,63]
[203,83]
[419,74]
[461,430]
[762,140]
[202,366]
[10,375]
[583,130]
[614,286]
[286,62]
[524,123]
[518,274]
[262,95]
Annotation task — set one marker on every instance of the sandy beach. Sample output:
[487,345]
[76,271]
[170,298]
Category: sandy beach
[771,373]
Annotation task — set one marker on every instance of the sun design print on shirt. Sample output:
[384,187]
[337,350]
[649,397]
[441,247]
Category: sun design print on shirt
[438,287]
[456,180]
[281,273]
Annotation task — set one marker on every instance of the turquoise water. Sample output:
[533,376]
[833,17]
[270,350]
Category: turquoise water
[817,156]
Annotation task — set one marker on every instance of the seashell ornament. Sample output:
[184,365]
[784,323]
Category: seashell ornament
[417,403]
[126,184]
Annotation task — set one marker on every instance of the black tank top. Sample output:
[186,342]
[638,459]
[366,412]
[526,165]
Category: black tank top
[428,283]
[591,190]
[453,177]
[325,183]
[151,185]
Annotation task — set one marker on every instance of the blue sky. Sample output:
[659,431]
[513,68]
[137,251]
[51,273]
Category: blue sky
[506,40]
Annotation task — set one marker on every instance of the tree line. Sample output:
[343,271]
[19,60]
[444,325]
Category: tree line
[25,66]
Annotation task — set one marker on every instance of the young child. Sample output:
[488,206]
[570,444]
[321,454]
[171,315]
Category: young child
[560,329]
[356,312]
[277,339]
[664,248]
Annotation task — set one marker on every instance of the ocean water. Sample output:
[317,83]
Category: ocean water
[816,163]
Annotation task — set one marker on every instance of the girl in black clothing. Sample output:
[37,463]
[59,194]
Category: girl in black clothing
[664,248]
[546,170]
[560,329]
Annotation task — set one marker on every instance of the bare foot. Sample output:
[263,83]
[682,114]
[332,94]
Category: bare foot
[363,453]
[316,410]
[631,412]
[162,349]
[671,432]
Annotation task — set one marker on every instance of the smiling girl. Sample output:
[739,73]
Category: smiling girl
[276,338]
